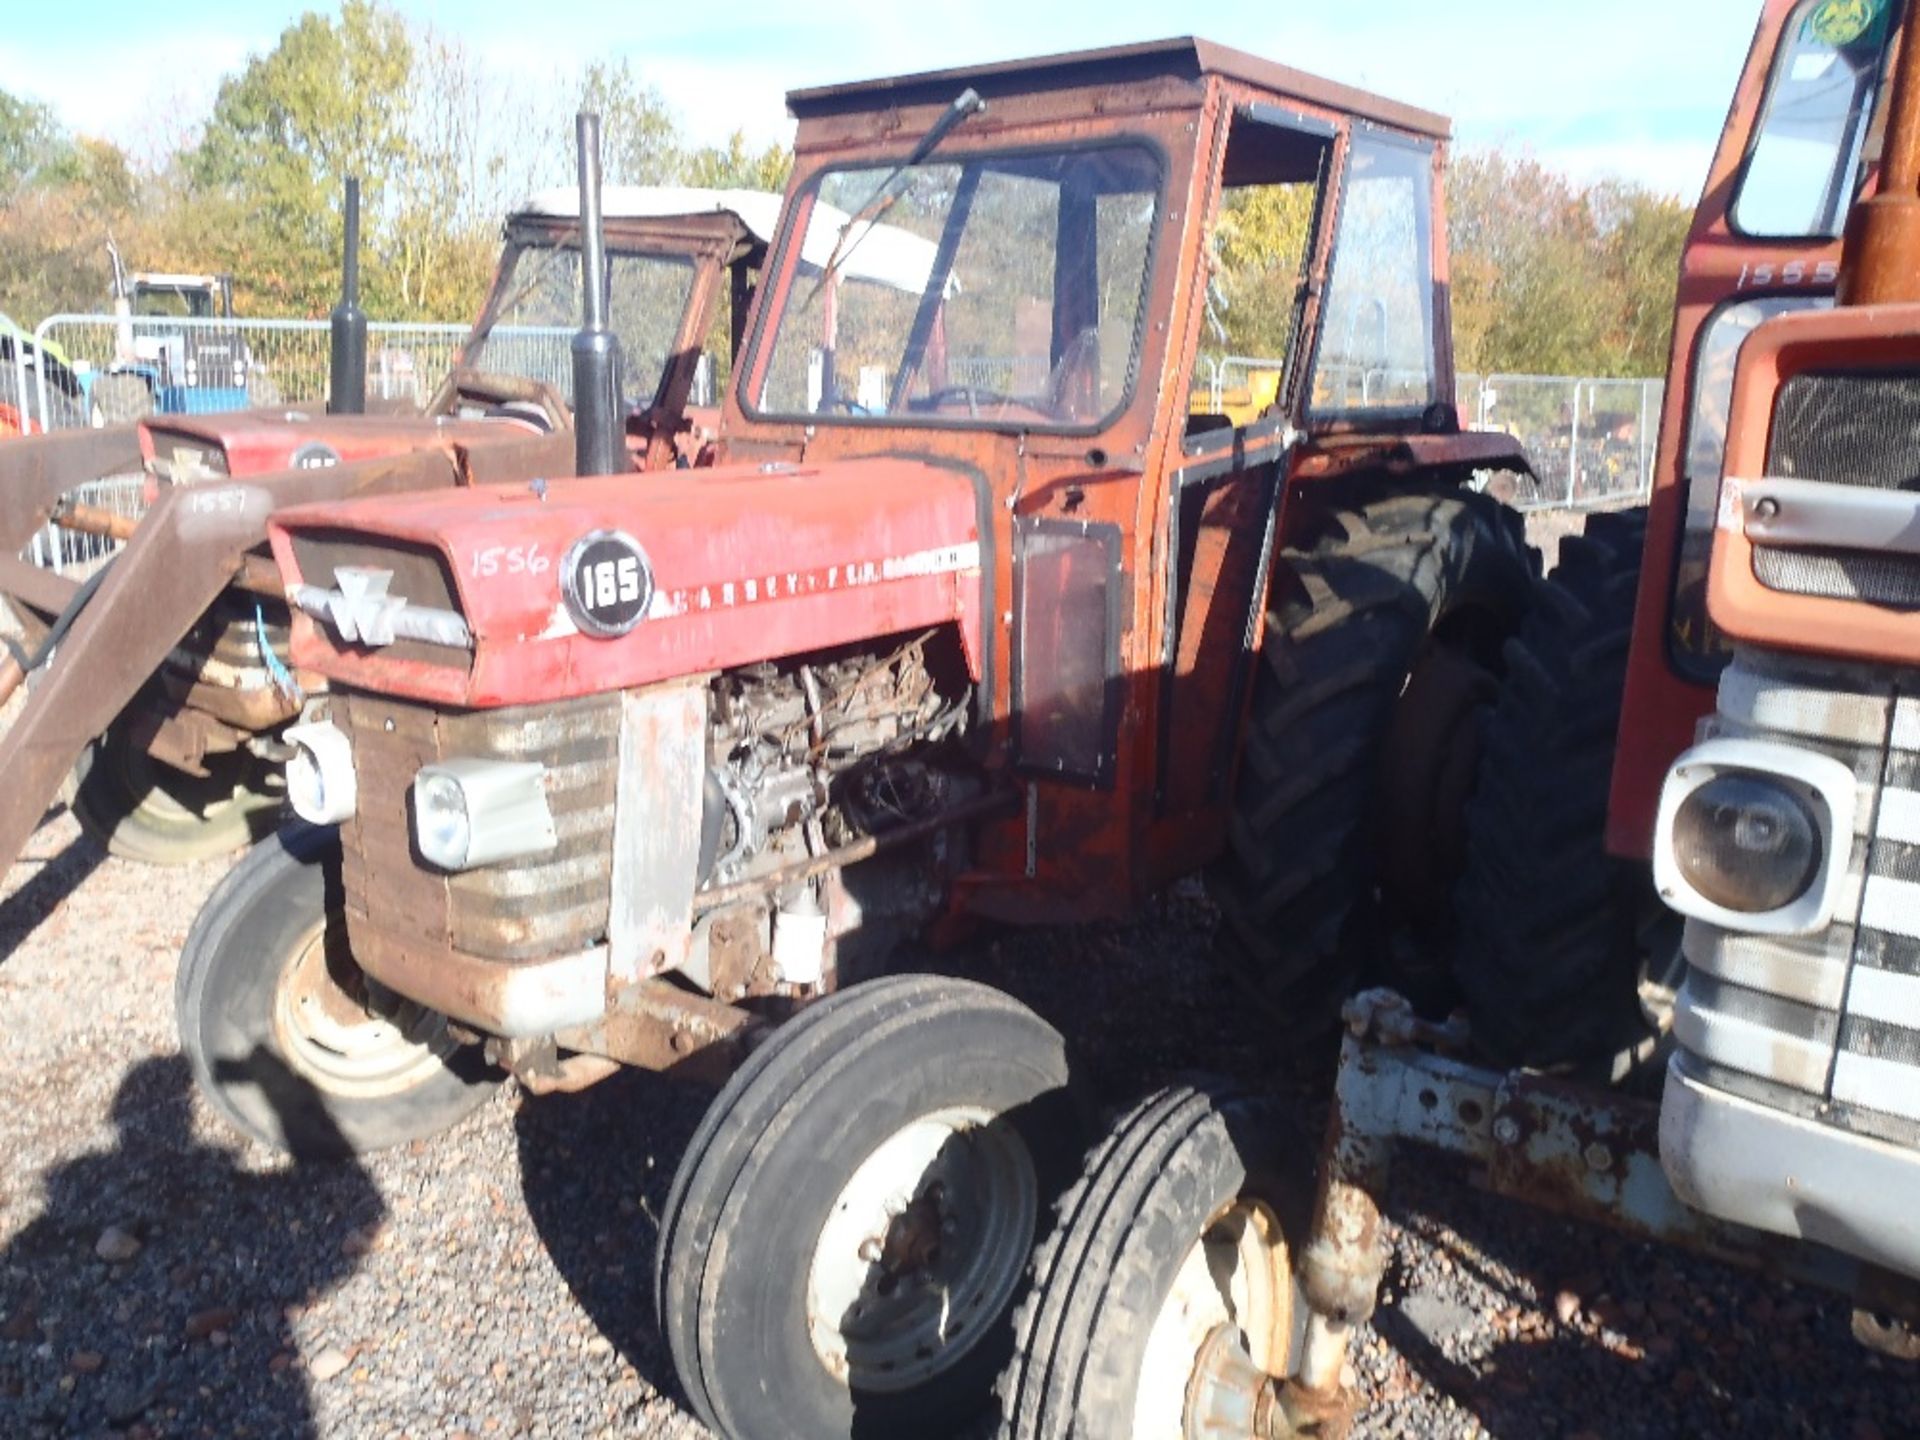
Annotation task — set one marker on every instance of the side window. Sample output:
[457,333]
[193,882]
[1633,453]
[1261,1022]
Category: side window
[1376,329]
[1801,173]
[1261,246]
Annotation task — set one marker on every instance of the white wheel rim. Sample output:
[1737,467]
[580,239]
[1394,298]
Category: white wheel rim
[333,1040]
[923,1247]
[1238,1274]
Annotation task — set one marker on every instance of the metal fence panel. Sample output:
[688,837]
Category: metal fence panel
[1592,441]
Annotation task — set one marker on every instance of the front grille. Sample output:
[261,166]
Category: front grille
[1833,1018]
[1846,428]
[420,575]
[1870,576]
[540,906]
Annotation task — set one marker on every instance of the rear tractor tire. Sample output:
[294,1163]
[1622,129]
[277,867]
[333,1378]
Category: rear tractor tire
[1383,642]
[291,1043]
[1556,937]
[846,1237]
[1167,1289]
[140,808]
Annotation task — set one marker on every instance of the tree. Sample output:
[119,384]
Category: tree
[329,101]
[639,138]
[31,142]
[735,165]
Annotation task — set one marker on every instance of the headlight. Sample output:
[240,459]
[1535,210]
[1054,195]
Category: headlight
[471,812]
[1754,835]
[1746,842]
[321,785]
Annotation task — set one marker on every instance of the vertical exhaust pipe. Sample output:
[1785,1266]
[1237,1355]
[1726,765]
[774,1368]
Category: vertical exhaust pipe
[347,354]
[599,429]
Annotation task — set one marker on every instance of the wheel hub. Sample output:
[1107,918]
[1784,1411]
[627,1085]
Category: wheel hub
[329,1029]
[1227,1323]
[924,1245]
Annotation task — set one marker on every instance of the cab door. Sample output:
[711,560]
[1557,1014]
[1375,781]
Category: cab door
[1266,273]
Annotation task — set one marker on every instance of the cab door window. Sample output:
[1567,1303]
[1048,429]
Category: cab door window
[1376,332]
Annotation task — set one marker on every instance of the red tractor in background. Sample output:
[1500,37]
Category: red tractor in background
[176,663]
[970,621]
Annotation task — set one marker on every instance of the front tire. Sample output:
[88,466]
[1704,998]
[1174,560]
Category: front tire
[1169,1275]
[849,1228]
[288,1040]
[140,808]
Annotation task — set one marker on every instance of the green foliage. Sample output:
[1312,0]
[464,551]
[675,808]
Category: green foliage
[31,145]
[735,165]
[327,102]
[639,138]
[1552,278]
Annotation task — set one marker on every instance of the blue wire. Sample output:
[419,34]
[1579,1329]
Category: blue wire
[277,671]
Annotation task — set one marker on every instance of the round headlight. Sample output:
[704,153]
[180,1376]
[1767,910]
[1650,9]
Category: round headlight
[440,821]
[1747,843]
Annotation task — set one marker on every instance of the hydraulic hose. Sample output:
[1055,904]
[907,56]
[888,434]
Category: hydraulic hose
[21,665]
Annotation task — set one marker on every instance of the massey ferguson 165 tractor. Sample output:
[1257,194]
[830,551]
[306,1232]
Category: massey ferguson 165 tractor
[1193,1284]
[177,663]
[971,621]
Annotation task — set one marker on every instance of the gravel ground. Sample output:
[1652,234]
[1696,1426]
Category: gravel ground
[159,1277]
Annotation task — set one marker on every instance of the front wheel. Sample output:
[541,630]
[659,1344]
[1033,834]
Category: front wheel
[290,1041]
[1166,1294]
[140,808]
[846,1236]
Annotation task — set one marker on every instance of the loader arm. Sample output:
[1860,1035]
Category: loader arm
[188,548]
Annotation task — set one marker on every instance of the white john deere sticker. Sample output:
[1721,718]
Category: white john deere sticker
[607,582]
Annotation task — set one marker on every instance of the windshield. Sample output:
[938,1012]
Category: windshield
[1804,169]
[174,302]
[529,327]
[1000,288]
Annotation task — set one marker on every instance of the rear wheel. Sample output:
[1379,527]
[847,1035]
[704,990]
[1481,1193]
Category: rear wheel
[140,808]
[1556,937]
[847,1233]
[1383,638]
[288,1039]
[1167,1289]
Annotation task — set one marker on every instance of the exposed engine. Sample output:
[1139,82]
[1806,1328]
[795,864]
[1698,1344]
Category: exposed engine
[807,756]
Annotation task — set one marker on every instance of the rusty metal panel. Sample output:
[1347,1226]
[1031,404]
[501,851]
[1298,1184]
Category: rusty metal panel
[656,828]
[543,905]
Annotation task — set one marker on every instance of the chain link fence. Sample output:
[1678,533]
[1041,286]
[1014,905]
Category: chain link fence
[101,369]
[1592,441]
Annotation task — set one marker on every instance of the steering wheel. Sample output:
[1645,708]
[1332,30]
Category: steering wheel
[974,395]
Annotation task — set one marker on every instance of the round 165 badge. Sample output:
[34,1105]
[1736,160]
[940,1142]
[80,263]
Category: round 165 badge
[607,582]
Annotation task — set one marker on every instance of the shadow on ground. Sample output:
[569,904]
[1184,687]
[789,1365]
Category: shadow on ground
[152,1294]
[52,881]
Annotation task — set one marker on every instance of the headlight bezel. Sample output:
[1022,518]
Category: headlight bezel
[1823,786]
[504,807]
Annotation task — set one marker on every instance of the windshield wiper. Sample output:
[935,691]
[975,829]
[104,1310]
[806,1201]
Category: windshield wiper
[968,103]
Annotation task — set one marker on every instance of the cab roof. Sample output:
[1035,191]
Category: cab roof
[1185,58]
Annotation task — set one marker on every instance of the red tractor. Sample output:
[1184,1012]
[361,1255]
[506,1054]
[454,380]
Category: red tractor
[1714,705]
[971,621]
[176,663]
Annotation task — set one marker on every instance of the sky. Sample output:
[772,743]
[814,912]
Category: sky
[1635,89]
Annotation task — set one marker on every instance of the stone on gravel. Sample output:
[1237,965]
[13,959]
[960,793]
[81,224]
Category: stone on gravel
[116,1246]
[329,1364]
[203,1324]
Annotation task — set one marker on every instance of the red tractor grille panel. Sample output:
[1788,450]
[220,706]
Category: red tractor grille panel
[543,905]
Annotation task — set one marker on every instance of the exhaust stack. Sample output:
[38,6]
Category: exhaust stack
[1880,264]
[347,355]
[599,428]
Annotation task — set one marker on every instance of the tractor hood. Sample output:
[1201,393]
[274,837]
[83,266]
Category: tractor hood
[509,595]
[258,442]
